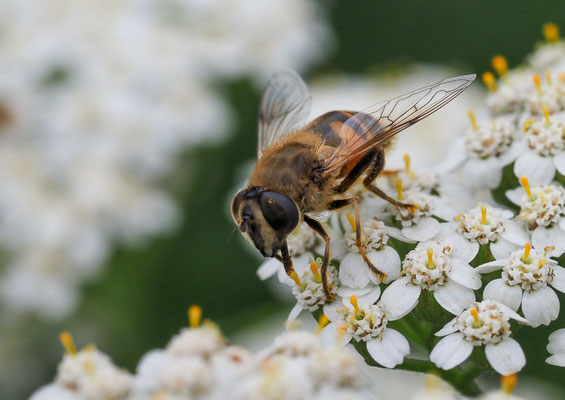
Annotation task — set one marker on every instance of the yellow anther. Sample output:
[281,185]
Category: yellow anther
[508,382]
[475,313]
[500,65]
[527,249]
[526,125]
[68,343]
[194,316]
[294,276]
[484,214]
[545,113]
[398,184]
[430,257]
[526,185]
[490,81]
[351,220]
[543,200]
[548,77]
[406,158]
[315,272]
[353,301]
[537,82]
[548,249]
[551,32]
[322,322]
[561,77]
[459,217]
[542,262]
[471,115]
[341,331]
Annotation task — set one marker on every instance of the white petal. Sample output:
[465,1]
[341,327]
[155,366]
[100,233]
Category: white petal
[515,232]
[397,234]
[513,314]
[558,278]
[499,291]
[352,271]
[515,149]
[506,357]
[463,273]
[557,342]
[330,310]
[295,312]
[540,306]
[454,297]
[559,161]
[554,236]
[269,268]
[400,298]
[479,173]
[562,224]
[456,155]
[390,349]
[502,248]
[557,360]
[371,297]
[333,335]
[425,229]
[491,266]
[443,208]
[460,247]
[451,351]
[515,195]
[448,328]
[347,292]
[388,261]
[539,170]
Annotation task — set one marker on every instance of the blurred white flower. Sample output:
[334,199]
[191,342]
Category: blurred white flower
[97,101]
[432,267]
[525,277]
[556,347]
[484,324]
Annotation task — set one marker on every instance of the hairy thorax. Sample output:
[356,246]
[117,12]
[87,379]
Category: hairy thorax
[292,168]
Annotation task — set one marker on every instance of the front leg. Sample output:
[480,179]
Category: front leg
[336,204]
[286,261]
[319,229]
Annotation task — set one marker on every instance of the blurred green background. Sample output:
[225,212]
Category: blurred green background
[141,300]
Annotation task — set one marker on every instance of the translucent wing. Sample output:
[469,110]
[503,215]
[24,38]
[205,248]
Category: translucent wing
[365,130]
[284,106]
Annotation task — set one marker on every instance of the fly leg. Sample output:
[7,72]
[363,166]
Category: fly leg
[375,169]
[334,205]
[286,260]
[319,229]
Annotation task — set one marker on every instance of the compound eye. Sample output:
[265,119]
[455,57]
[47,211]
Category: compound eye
[279,211]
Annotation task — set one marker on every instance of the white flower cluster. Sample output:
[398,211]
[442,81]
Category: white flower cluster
[438,251]
[96,101]
[198,364]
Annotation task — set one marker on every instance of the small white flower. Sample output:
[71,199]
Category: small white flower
[511,93]
[303,240]
[489,146]
[483,225]
[309,291]
[547,56]
[362,320]
[202,342]
[484,324]
[353,271]
[556,347]
[547,95]
[543,209]
[544,151]
[431,267]
[525,277]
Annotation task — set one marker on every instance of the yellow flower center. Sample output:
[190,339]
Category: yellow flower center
[68,343]
[500,65]
[490,81]
[194,316]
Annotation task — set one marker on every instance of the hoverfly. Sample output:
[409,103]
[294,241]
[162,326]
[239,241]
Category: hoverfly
[302,169]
